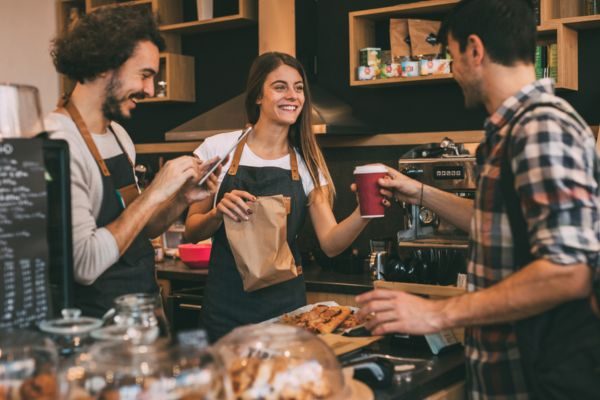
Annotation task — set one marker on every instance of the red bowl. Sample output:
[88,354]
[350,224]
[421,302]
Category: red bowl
[195,255]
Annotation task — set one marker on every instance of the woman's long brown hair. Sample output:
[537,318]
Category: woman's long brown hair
[300,134]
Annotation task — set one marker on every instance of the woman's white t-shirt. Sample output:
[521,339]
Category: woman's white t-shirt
[218,144]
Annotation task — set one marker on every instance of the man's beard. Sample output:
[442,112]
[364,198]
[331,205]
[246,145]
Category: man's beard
[472,93]
[111,108]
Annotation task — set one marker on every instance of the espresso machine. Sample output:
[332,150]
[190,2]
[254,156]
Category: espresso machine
[427,248]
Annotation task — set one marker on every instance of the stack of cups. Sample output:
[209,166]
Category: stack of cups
[371,201]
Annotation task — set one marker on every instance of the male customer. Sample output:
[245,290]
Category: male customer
[113,54]
[555,177]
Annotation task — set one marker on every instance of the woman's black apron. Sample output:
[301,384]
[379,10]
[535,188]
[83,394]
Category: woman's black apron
[134,272]
[226,305]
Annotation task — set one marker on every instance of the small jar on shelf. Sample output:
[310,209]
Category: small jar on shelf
[162,89]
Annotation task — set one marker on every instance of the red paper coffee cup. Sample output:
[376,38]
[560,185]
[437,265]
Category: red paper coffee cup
[366,177]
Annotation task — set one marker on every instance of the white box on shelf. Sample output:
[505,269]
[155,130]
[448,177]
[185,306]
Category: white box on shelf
[205,9]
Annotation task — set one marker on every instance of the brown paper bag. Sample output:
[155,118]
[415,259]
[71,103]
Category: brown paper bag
[399,38]
[423,37]
[259,246]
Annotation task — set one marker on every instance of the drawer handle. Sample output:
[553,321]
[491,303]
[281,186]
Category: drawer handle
[190,307]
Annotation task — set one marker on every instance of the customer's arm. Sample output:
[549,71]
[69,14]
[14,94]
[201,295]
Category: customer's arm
[538,287]
[456,210]
[554,167]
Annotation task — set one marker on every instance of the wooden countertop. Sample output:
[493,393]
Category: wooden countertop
[317,279]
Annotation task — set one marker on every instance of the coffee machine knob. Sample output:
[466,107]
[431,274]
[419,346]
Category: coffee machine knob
[426,216]
[377,261]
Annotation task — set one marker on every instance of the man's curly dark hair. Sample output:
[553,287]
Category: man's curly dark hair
[103,40]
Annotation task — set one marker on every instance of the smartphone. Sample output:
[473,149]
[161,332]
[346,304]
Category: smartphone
[224,155]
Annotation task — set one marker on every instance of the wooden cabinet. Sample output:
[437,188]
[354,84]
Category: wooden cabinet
[363,25]
[247,15]
[560,22]
[175,69]
[177,73]
[568,54]
[68,13]
[166,11]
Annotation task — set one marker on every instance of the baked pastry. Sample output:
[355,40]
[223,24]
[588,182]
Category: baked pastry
[278,378]
[319,319]
[39,387]
[350,322]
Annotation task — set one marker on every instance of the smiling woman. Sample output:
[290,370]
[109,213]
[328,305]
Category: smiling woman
[280,164]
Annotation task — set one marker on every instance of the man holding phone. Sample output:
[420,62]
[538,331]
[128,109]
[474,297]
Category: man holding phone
[113,55]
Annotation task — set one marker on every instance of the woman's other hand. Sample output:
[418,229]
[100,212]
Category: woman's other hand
[387,196]
[234,204]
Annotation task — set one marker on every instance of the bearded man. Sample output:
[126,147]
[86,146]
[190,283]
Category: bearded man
[113,55]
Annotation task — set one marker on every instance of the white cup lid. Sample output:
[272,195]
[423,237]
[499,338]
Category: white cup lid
[370,169]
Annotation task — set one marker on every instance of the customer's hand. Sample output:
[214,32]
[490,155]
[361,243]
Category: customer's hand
[234,204]
[385,200]
[400,186]
[182,173]
[390,311]
[594,304]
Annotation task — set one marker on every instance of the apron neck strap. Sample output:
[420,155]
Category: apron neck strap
[294,165]
[235,163]
[85,134]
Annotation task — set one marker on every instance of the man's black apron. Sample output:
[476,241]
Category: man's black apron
[134,272]
[226,305]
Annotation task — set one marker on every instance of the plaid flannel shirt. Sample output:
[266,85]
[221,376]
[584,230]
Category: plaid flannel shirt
[554,162]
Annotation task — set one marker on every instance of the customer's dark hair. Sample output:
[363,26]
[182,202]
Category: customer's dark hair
[103,40]
[507,28]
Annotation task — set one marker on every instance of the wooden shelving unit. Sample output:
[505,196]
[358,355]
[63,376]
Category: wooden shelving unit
[67,12]
[247,15]
[581,23]
[362,34]
[384,139]
[567,47]
[164,148]
[560,21]
[167,11]
[177,71]
[417,80]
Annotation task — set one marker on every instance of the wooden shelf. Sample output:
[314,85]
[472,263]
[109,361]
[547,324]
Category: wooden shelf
[560,22]
[382,139]
[435,291]
[68,12]
[399,139]
[178,72]
[404,81]
[410,9]
[247,15]
[362,34]
[167,11]
[215,24]
[566,40]
[163,148]
[584,22]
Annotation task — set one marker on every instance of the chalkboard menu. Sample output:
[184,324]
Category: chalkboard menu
[24,288]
